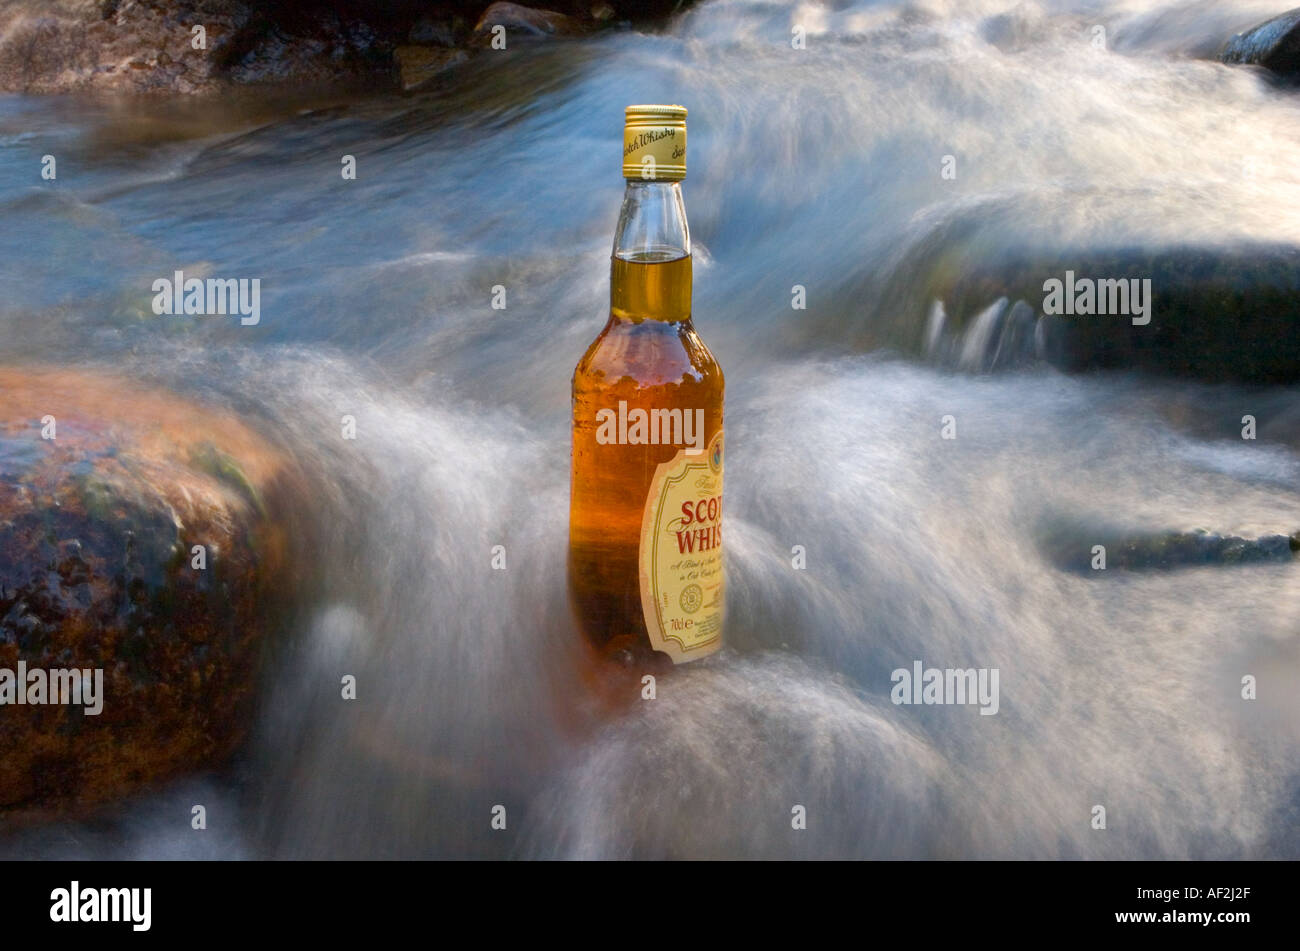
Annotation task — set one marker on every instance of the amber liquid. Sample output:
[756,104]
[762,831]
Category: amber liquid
[650,356]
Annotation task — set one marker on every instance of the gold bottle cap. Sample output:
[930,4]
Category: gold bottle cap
[654,143]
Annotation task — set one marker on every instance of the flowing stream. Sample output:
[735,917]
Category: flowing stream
[818,167]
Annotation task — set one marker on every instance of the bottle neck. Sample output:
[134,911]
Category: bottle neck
[650,275]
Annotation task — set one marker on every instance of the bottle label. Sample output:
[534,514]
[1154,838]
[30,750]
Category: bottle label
[681,555]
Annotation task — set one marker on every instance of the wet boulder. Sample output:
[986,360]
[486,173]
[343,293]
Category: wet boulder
[1215,314]
[1077,548]
[1274,45]
[142,537]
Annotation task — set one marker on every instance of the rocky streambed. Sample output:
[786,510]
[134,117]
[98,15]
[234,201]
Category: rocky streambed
[194,46]
[197,46]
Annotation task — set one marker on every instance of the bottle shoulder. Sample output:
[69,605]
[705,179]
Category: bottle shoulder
[649,352]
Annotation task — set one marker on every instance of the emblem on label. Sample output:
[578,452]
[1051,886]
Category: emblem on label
[681,555]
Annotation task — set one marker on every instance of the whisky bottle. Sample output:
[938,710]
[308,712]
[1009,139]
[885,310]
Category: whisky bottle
[645,511]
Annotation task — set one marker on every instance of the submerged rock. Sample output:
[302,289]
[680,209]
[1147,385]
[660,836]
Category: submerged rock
[99,571]
[1072,548]
[1212,314]
[1274,45]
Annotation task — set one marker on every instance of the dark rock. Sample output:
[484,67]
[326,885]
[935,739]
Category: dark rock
[97,528]
[1274,45]
[1216,314]
[1069,547]
[324,50]
[435,31]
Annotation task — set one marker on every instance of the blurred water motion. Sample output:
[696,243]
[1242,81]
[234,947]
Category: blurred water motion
[818,167]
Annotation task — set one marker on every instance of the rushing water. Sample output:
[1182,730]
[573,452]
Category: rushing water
[818,167]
